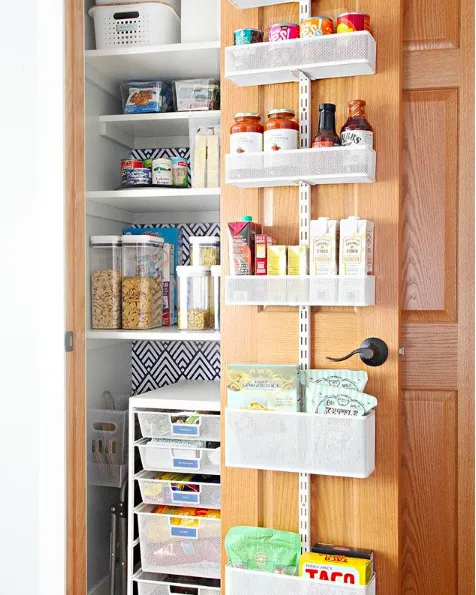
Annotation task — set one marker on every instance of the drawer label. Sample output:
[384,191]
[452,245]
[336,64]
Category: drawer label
[185,463]
[188,532]
[188,497]
[185,430]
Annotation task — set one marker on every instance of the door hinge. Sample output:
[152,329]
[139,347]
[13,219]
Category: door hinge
[68,341]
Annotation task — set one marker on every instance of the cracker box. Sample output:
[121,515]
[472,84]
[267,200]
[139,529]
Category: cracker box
[263,387]
[262,241]
[335,568]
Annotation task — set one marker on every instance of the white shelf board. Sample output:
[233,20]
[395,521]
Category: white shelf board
[330,165]
[197,394]
[157,200]
[258,3]
[326,56]
[157,62]
[165,333]
[124,128]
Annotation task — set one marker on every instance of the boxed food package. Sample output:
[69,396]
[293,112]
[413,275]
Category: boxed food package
[146,97]
[277,260]
[297,260]
[340,550]
[196,95]
[199,175]
[213,161]
[264,387]
[241,245]
[336,568]
[324,234]
[168,284]
[262,242]
[356,247]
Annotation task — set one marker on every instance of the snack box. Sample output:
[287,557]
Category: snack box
[340,550]
[336,568]
[262,243]
[264,387]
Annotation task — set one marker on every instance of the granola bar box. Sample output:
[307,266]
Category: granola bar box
[263,387]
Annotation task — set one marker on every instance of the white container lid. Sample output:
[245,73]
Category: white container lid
[150,240]
[204,240]
[193,271]
[216,270]
[113,240]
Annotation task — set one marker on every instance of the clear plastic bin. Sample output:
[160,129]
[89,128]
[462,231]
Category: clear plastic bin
[146,97]
[142,261]
[216,281]
[156,457]
[194,298]
[149,584]
[158,491]
[205,250]
[196,95]
[155,424]
[178,549]
[106,282]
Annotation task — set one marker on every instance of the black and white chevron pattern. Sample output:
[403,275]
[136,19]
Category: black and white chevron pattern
[158,364]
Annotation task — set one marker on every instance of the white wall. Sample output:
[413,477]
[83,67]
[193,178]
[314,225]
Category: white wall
[32,460]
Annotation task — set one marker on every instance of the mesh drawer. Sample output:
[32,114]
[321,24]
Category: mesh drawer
[162,425]
[165,458]
[156,491]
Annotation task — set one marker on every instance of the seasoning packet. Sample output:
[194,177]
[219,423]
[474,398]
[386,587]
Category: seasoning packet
[266,550]
[338,401]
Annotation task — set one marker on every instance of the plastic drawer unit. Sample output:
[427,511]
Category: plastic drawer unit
[157,491]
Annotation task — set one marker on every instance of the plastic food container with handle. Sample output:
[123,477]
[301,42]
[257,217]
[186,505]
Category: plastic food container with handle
[106,282]
[194,294]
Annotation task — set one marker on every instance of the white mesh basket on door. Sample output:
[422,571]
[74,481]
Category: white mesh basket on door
[147,23]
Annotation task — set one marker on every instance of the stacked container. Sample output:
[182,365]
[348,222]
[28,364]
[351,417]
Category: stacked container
[106,282]
[194,298]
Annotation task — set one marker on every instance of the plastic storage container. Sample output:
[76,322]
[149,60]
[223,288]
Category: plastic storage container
[175,4]
[216,281]
[162,457]
[106,282]
[160,491]
[142,260]
[196,95]
[178,549]
[200,20]
[146,97]
[148,584]
[179,424]
[205,250]
[194,298]
[147,23]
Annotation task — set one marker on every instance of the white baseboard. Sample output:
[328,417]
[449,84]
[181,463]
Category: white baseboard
[100,588]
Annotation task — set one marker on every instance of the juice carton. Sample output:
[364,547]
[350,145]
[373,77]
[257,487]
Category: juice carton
[324,246]
[297,260]
[241,248]
[356,247]
[276,260]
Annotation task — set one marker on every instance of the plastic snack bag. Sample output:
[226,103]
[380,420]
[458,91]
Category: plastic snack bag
[338,401]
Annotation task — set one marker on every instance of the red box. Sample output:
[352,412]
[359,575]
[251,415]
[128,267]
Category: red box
[262,241]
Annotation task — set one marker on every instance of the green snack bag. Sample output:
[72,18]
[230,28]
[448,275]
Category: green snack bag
[266,550]
[339,401]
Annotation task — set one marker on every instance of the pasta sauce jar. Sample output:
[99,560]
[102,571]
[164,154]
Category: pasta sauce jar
[281,130]
[246,134]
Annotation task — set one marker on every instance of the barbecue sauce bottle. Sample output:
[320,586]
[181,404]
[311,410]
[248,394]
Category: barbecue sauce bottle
[326,135]
[357,131]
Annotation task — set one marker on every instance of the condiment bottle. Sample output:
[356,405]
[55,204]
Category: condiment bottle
[246,134]
[281,130]
[357,131]
[326,135]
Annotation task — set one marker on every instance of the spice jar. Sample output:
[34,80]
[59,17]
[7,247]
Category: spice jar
[142,262]
[246,134]
[281,130]
[205,250]
[216,275]
[194,298]
[106,282]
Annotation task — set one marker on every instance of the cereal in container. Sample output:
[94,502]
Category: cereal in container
[106,282]
[194,298]
[205,250]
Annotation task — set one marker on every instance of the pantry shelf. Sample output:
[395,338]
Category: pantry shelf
[131,130]
[320,57]
[158,62]
[299,291]
[158,334]
[156,200]
[333,165]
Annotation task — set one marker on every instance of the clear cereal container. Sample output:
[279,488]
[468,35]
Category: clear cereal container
[205,250]
[106,282]
[142,261]
[216,276]
[194,295]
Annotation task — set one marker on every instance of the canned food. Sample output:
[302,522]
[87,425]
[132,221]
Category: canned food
[129,164]
[162,172]
[283,31]
[315,26]
[348,22]
[137,177]
[246,36]
[147,163]
[180,172]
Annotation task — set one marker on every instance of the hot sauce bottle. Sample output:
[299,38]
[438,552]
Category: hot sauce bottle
[357,131]
[326,136]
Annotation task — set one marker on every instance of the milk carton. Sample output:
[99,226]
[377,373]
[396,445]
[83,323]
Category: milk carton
[356,247]
[324,234]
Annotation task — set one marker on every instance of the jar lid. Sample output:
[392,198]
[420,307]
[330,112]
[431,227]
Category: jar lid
[193,271]
[216,270]
[247,114]
[113,240]
[143,239]
[204,240]
[281,110]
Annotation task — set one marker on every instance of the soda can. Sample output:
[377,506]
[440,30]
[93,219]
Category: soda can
[315,26]
[247,36]
[283,32]
[348,22]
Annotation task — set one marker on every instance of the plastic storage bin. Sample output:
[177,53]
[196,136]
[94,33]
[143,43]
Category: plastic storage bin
[147,584]
[301,442]
[170,424]
[157,457]
[196,95]
[158,491]
[146,23]
[142,261]
[175,4]
[107,444]
[205,250]
[178,549]
[106,282]
[251,582]
[200,20]
[216,281]
[146,97]
[194,298]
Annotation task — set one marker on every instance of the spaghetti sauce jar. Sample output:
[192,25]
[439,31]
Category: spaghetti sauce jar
[246,134]
[281,130]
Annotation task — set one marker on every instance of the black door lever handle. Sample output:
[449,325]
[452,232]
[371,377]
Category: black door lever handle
[372,351]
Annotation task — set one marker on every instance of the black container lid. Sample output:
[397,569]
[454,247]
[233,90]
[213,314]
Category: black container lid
[327,106]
